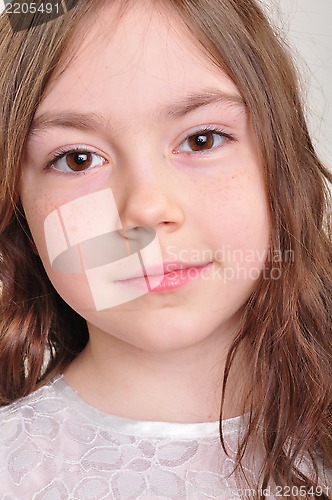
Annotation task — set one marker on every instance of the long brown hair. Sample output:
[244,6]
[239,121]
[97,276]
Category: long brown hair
[287,324]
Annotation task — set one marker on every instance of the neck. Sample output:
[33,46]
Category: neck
[177,386]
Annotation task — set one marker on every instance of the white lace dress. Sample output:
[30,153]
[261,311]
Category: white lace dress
[54,446]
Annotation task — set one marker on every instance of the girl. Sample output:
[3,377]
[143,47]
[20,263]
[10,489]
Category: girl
[166,258]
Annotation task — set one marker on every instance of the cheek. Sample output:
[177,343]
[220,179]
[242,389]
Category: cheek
[73,288]
[35,213]
[235,222]
[236,207]
[87,254]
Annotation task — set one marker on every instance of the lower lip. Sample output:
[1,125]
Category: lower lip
[171,281]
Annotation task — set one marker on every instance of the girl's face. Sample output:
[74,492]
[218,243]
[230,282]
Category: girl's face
[152,136]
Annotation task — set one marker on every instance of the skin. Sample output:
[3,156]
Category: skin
[160,356]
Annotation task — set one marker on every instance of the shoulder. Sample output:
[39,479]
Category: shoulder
[315,463]
[46,396]
[29,429]
[31,415]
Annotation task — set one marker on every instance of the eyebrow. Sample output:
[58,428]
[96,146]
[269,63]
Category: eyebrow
[198,100]
[92,121]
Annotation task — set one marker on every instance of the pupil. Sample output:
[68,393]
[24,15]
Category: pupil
[80,158]
[201,140]
[79,161]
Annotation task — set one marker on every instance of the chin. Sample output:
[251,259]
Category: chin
[156,333]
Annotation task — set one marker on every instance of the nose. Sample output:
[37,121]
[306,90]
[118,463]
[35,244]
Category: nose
[152,200]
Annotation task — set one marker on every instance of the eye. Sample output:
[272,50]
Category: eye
[203,140]
[75,160]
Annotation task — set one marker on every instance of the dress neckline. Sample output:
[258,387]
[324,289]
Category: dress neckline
[144,428]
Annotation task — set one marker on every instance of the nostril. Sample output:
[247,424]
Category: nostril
[136,232]
[130,231]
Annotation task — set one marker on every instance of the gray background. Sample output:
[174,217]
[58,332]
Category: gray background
[308,28]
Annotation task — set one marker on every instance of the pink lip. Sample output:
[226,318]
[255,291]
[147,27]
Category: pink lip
[176,274]
[179,277]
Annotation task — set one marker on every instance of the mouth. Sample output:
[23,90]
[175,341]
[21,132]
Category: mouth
[166,277]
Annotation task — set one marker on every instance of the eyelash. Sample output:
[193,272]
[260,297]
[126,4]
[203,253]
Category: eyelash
[62,152]
[211,129]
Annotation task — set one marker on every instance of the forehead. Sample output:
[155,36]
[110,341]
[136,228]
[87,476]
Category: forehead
[141,60]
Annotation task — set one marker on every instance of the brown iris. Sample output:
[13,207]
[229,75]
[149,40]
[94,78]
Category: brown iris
[79,161]
[201,142]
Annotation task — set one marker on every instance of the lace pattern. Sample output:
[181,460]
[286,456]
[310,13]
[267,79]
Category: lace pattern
[54,446]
